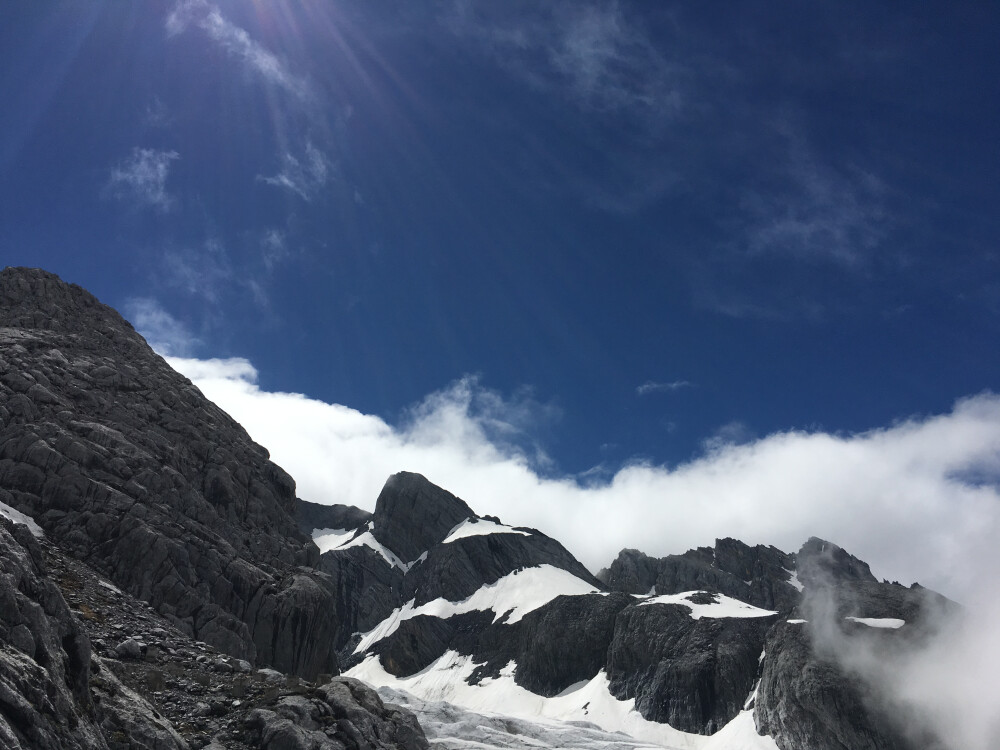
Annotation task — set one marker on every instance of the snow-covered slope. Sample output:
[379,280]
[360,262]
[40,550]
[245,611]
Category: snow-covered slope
[500,714]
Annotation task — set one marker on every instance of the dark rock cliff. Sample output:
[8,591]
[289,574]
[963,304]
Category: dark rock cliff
[127,465]
[695,675]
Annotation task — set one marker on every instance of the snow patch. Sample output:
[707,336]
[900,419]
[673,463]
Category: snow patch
[794,581]
[724,607]
[18,517]
[880,622]
[328,539]
[517,594]
[480,527]
[796,622]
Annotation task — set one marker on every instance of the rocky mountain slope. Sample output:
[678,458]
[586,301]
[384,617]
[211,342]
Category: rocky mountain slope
[123,462]
[176,594]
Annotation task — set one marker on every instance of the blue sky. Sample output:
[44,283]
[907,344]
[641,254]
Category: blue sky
[621,232]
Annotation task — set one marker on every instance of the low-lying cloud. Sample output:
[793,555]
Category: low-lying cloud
[917,499]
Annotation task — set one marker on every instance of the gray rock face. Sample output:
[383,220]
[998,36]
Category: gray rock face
[695,675]
[756,575]
[412,515]
[47,697]
[127,465]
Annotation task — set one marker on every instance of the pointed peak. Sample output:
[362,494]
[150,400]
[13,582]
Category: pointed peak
[412,514]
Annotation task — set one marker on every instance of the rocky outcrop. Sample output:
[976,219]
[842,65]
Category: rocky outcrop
[412,515]
[823,563]
[757,575]
[340,715]
[48,698]
[128,466]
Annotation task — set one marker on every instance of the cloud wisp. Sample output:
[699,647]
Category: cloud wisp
[820,213]
[589,52]
[236,42]
[141,179]
[304,175]
[654,386]
[203,272]
[909,498]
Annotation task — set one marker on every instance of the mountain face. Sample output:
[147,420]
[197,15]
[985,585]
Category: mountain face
[175,592]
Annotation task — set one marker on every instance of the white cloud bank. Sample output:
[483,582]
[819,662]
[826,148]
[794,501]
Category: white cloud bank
[918,499]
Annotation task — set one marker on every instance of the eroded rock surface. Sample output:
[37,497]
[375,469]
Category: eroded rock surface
[128,466]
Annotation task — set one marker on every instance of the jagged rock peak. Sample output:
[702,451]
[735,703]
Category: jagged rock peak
[822,562]
[412,514]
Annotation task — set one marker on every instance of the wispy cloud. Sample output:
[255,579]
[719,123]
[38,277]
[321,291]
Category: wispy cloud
[653,386]
[236,42]
[818,213]
[142,178]
[203,271]
[274,248]
[305,175]
[157,114]
[592,53]
[163,331]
